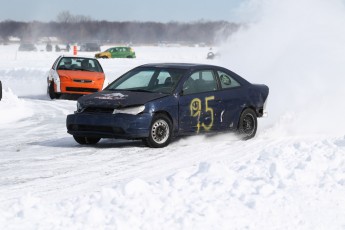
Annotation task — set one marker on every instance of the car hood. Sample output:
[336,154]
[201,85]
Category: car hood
[118,99]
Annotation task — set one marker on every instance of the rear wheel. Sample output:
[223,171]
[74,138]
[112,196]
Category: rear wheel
[87,140]
[248,124]
[160,132]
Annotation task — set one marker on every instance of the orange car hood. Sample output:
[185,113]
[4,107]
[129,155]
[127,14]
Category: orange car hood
[77,74]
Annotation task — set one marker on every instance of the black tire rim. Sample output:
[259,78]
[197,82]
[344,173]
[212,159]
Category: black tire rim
[160,131]
[248,124]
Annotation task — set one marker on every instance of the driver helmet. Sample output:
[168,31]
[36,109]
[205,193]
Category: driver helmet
[68,61]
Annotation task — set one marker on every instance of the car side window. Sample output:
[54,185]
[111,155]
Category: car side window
[200,81]
[227,81]
[163,78]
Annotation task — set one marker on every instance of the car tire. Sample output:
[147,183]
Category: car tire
[160,132]
[51,91]
[247,124]
[87,140]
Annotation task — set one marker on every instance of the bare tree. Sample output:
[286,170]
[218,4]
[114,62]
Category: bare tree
[65,17]
[79,28]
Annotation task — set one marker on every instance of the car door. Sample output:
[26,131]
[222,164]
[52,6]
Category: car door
[200,103]
[233,97]
[125,52]
[114,53]
[122,52]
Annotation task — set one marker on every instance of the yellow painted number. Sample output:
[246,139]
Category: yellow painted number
[210,110]
[195,111]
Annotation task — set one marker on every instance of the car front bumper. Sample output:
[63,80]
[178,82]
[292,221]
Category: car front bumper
[122,126]
[74,87]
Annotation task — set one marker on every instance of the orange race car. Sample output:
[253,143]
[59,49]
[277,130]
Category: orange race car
[75,75]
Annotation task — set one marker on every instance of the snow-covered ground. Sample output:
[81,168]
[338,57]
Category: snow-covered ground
[290,176]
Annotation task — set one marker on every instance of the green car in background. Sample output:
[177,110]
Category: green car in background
[117,52]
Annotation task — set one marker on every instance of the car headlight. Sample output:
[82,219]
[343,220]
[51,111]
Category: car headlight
[130,110]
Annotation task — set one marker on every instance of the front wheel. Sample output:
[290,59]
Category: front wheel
[160,132]
[248,124]
[51,91]
[87,140]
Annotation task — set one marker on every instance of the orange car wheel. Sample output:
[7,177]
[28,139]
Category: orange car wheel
[51,91]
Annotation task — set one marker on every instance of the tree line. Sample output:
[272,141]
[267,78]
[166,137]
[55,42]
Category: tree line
[68,29]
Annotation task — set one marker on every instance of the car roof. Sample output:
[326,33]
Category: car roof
[193,67]
[119,47]
[179,65]
[73,56]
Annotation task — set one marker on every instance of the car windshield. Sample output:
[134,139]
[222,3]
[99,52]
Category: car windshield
[78,63]
[157,80]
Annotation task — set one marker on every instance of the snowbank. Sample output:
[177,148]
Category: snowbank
[285,186]
[290,176]
[12,108]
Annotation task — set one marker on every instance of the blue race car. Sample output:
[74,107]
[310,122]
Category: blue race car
[156,102]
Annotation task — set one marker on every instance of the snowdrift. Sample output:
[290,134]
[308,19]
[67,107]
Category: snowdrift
[291,176]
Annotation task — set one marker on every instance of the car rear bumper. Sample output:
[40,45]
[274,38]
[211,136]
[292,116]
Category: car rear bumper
[123,126]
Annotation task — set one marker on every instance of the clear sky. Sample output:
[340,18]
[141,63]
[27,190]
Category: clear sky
[125,10]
